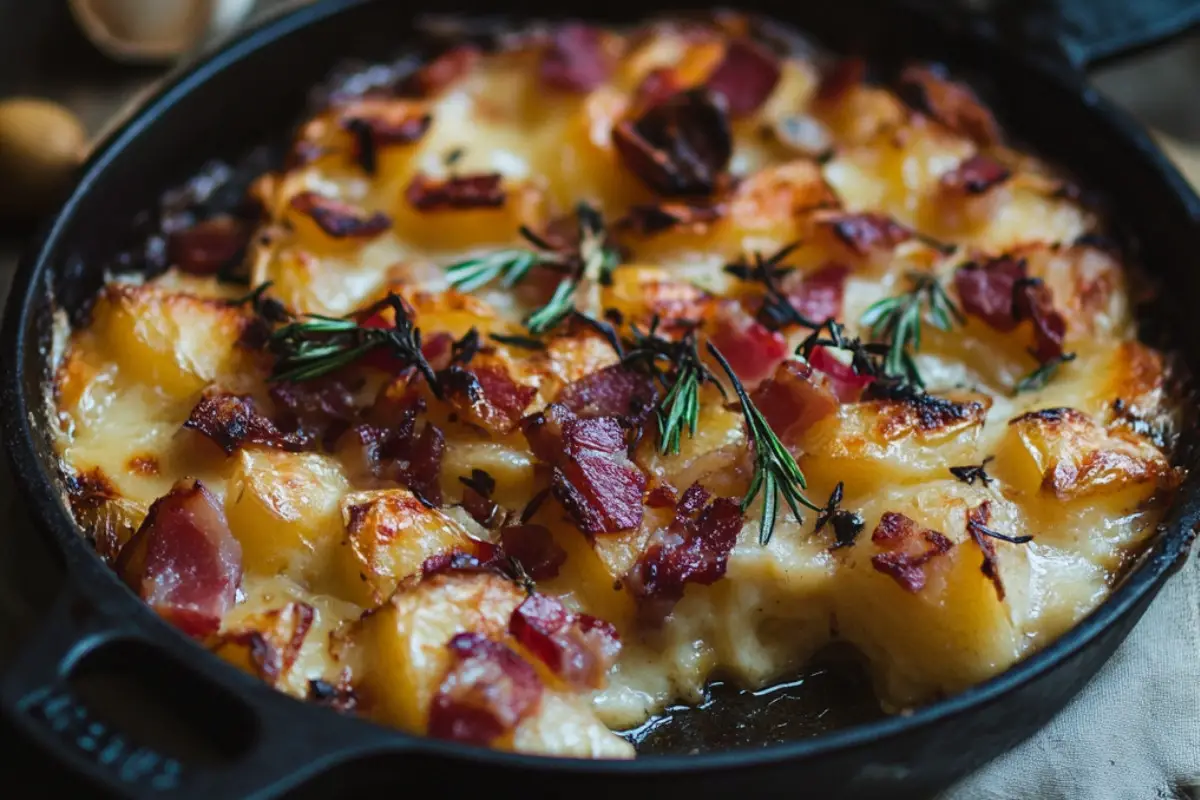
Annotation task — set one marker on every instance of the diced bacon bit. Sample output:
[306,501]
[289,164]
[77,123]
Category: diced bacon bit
[975,175]
[661,496]
[485,693]
[793,400]
[485,396]
[868,232]
[231,421]
[578,648]
[183,560]
[1001,294]
[575,59]
[929,91]
[477,498]
[753,351]
[533,546]
[274,652]
[440,72]
[847,384]
[845,75]
[680,147]
[695,548]
[817,295]
[659,84]
[977,518]
[210,246]
[393,453]
[648,220]
[318,410]
[340,220]
[458,193]
[614,391]
[745,77]
[909,547]
[485,557]
[593,477]
[438,349]
[376,125]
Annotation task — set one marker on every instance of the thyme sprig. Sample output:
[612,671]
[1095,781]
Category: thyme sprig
[775,469]
[677,367]
[777,310]
[313,345]
[591,261]
[897,321]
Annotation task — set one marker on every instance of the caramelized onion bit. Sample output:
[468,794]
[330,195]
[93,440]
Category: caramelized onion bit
[908,548]
[183,560]
[459,193]
[231,421]
[485,693]
[695,548]
[340,220]
[745,77]
[977,518]
[680,147]
[580,649]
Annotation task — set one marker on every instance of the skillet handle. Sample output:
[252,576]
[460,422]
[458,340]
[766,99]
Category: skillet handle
[1089,33]
[192,736]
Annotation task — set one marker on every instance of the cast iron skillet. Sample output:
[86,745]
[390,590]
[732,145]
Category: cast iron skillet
[260,743]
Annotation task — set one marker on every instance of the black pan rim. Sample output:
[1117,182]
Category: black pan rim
[85,570]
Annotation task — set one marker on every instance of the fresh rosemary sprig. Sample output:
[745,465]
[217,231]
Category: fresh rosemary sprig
[896,321]
[590,261]
[1042,375]
[775,470]
[677,366]
[315,345]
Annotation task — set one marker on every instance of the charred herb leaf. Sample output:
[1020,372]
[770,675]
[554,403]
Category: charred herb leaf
[777,311]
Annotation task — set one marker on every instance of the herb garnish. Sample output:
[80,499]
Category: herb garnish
[314,345]
[777,310]
[896,321]
[775,470]
[846,524]
[1042,375]
[978,527]
[524,342]
[592,261]
[974,472]
[681,379]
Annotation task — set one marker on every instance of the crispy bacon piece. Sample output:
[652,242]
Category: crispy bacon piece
[975,175]
[340,220]
[485,693]
[575,59]
[658,85]
[486,396]
[977,518]
[614,391]
[460,192]
[844,76]
[817,295]
[394,453]
[794,399]
[593,477]
[847,385]
[183,560]
[745,77]
[318,410]
[231,421]
[679,147]
[661,496]
[695,548]
[753,351]
[438,349]
[908,548]
[485,557]
[376,125]
[442,71]
[477,498]
[648,220]
[579,648]
[929,91]
[210,246]
[534,547]
[1000,293]
[867,232]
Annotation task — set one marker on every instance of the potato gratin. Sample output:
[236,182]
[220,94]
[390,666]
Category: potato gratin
[568,371]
